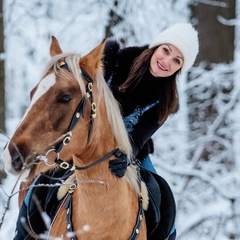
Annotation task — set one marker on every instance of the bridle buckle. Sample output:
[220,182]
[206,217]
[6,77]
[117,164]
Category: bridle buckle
[72,188]
[64,165]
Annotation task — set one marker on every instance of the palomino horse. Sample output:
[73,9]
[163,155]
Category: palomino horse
[73,115]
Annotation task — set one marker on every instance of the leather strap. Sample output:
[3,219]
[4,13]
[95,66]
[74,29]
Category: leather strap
[69,217]
[80,109]
[66,165]
[140,215]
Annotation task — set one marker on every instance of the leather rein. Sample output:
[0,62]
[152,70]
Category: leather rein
[70,167]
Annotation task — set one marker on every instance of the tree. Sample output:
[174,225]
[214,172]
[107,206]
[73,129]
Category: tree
[211,97]
[2,75]
[2,78]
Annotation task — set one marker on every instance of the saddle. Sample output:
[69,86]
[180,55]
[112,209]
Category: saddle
[161,212]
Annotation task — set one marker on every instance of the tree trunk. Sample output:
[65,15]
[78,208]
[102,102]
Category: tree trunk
[209,99]
[2,75]
[216,39]
[2,80]
[216,46]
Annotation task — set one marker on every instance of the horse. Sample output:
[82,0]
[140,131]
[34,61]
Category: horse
[73,115]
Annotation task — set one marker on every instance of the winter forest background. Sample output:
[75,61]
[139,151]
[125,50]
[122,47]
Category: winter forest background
[197,150]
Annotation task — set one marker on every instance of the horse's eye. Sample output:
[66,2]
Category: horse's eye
[65,99]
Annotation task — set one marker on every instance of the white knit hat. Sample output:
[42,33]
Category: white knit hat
[184,37]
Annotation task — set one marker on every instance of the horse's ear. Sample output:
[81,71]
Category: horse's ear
[93,60]
[55,47]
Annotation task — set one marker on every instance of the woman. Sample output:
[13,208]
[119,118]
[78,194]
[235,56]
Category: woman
[143,80]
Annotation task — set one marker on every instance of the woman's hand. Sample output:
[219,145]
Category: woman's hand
[118,166]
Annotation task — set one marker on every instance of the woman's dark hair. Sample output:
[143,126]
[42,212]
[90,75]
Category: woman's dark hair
[168,95]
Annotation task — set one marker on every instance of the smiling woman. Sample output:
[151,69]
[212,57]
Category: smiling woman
[165,61]
[143,80]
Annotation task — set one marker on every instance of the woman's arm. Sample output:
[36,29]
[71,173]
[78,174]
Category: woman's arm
[144,130]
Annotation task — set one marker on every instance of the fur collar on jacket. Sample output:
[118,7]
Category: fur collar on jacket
[117,64]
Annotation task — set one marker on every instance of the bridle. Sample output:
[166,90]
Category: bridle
[80,110]
[69,167]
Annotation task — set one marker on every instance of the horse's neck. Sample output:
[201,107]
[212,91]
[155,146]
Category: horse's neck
[98,176]
[101,144]
[100,200]
[98,171]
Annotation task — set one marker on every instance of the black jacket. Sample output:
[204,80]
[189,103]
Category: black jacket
[117,64]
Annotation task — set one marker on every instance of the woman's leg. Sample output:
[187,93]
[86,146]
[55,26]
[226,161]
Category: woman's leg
[147,164]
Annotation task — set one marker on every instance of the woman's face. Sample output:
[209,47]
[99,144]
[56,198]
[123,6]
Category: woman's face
[165,61]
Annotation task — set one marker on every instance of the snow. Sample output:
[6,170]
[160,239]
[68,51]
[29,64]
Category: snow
[9,222]
[206,191]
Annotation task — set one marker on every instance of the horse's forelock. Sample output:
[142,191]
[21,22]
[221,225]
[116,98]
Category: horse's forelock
[72,61]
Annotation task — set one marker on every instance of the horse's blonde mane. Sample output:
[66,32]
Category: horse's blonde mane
[114,116]
[112,107]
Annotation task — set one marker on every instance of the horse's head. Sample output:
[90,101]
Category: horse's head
[60,101]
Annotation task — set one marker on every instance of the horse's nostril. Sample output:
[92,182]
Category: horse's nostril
[17,163]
